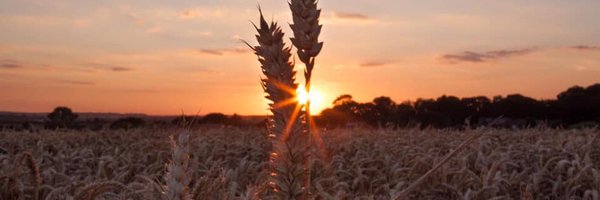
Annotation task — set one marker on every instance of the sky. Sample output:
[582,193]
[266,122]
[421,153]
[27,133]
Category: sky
[185,56]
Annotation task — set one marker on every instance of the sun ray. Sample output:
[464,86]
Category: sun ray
[283,87]
[284,103]
[290,122]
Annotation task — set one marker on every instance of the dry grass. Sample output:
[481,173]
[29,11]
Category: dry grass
[364,164]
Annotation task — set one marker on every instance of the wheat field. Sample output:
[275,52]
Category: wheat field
[233,163]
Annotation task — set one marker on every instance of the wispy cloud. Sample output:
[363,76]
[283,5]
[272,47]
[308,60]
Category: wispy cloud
[225,51]
[114,68]
[351,16]
[120,69]
[10,64]
[348,18]
[375,63]
[586,48]
[201,13]
[74,82]
[478,57]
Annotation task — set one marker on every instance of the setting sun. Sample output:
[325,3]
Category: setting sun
[317,103]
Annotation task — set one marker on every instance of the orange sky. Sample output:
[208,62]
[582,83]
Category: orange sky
[166,58]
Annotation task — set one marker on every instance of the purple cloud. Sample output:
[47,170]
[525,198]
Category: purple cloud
[586,48]
[351,16]
[476,57]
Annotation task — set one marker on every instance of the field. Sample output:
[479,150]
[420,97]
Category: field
[233,163]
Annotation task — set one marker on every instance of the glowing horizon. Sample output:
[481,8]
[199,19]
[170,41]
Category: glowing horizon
[166,58]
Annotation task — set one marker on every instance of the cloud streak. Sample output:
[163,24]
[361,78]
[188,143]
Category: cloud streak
[10,64]
[351,16]
[480,57]
[201,13]
[348,18]
[226,51]
[114,68]
[586,48]
[75,82]
[374,63]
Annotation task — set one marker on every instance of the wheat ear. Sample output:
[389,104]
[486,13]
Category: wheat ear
[287,129]
[178,175]
[35,173]
[307,29]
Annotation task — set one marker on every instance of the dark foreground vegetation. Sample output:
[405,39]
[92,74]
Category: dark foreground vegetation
[233,163]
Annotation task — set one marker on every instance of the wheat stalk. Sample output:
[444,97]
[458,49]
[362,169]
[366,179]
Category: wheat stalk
[307,29]
[287,130]
[179,175]
[35,173]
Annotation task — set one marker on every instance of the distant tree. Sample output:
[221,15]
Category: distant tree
[366,113]
[426,113]
[61,117]
[518,106]
[128,123]
[594,94]
[215,118]
[384,108]
[346,105]
[579,104]
[453,111]
[235,120]
[344,111]
[333,118]
[574,106]
[342,99]
[405,114]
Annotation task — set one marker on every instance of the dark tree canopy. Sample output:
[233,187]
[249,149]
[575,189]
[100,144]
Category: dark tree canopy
[215,118]
[574,106]
[61,117]
[128,123]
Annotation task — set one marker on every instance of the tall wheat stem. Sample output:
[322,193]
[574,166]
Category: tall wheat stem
[306,28]
[287,130]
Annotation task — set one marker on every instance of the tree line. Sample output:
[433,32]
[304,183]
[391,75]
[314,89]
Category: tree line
[577,105]
[64,118]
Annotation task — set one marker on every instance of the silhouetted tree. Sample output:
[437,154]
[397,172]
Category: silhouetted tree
[384,109]
[517,106]
[405,114]
[235,120]
[576,105]
[331,117]
[477,108]
[579,104]
[344,111]
[215,118]
[61,117]
[128,123]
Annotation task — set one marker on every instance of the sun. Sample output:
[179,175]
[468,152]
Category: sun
[315,96]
